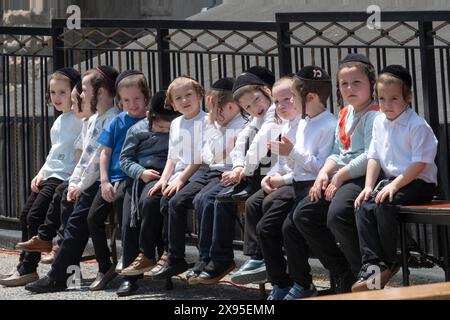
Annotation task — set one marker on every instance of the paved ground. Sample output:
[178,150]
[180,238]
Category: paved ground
[155,290]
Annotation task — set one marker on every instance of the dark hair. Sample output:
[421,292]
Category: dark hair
[321,88]
[386,78]
[102,77]
[368,69]
[220,98]
[246,89]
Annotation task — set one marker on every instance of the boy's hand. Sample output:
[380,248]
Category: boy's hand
[266,185]
[35,183]
[161,184]
[108,191]
[282,148]
[388,191]
[363,196]
[277,181]
[149,175]
[227,178]
[321,183]
[334,185]
[173,187]
[73,194]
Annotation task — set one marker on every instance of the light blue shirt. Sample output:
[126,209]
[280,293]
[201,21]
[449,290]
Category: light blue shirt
[60,160]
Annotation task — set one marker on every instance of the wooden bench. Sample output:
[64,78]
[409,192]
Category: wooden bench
[435,291]
[436,213]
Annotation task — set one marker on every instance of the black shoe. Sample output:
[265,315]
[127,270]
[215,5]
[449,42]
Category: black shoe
[45,285]
[168,270]
[196,270]
[214,272]
[344,282]
[248,191]
[227,196]
[127,288]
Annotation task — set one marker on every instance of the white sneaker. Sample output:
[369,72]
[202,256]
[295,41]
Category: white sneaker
[16,280]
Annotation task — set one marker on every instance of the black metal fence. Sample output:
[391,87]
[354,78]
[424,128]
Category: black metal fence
[208,50]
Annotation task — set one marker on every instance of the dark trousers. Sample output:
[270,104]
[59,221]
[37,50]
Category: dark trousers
[31,217]
[377,223]
[150,235]
[76,236]
[341,221]
[275,207]
[57,215]
[178,207]
[306,230]
[98,214]
[204,211]
[223,231]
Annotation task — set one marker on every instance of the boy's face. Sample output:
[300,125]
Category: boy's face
[60,94]
[86,112]
[355,87]
[133,101]
[88,91]
[391,100]
[255,103]
[282,97]
[186,100]
[160,126]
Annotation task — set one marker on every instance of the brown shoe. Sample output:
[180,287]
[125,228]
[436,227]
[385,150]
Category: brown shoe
[160,264]
[35,245]
[102,280]
[47,258]
[139,266]
[366,279]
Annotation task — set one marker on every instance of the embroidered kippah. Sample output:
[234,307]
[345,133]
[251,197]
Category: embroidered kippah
[313,73]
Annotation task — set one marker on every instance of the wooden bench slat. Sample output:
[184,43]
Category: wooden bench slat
[435,291]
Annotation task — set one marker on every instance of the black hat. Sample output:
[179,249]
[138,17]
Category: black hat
[157,106]
[313,73]
[109,73]
[125,74]
[263,73]
[356,57]
[73,75]
[399,72]
[246,79]
[224,84]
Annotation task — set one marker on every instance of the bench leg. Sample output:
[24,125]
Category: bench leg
[405,270]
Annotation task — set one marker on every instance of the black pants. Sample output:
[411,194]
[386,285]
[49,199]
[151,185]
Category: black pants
[178,207]
[76,236]
[306,230]
[32,216]
[341,221]
[269,230]
[57,215]
[98,214]
[264,216]
[378,226]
